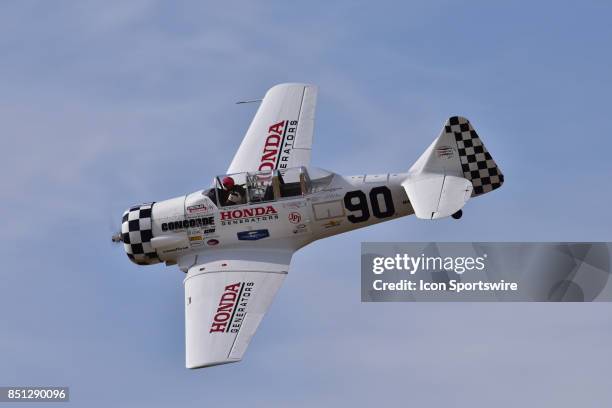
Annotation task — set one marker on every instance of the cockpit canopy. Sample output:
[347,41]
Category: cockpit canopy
[267,185]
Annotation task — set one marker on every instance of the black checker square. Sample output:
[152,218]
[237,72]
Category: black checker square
[137,249]
[476,162]
[146,235]
[134,225]
[136,230]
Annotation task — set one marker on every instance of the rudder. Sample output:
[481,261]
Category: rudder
[477,163]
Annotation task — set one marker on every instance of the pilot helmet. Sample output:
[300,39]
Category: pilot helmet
[228,182]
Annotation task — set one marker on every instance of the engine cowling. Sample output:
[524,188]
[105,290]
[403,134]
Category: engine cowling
[136,234]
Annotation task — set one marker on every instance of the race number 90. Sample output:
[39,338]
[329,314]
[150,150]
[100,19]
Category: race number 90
[356,201]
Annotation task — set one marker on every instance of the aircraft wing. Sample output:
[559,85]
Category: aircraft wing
[280,135]
[225,300]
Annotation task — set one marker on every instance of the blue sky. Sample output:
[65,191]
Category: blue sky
[107,104]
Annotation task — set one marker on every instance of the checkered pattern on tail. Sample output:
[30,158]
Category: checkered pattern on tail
[136,231]
[476,162]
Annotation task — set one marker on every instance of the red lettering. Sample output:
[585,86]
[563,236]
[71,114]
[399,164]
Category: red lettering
[271,146]
[217,328]
[271,156]
[225,308]
[222,317]
[233,288]
[277,128]
[247,212]
[228,297]
[272,138]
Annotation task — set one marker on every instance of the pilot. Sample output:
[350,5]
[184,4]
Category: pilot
[235,193]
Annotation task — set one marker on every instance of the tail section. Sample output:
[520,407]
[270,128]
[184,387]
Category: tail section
[476,162]
[455,167]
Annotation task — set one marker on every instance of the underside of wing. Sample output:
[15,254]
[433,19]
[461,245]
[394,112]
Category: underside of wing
[280,135]
[225,300]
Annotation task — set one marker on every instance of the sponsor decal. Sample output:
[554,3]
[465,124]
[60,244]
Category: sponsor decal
[331,197]
[232,308]
[190,223]
[296,204]
[332,223]
[330,189]
[199,208]
[253,235]
[445,152]
[247,215]
[294,217]
[299,229]
[195,238]
[212,242]
[170,251]
[278,145]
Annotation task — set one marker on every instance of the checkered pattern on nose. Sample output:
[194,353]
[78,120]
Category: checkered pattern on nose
[136,232]
[476,162]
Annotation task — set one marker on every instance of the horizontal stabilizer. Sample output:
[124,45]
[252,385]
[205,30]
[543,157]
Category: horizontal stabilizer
[437,195]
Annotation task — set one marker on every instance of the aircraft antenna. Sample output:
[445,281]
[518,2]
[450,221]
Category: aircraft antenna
[252,101]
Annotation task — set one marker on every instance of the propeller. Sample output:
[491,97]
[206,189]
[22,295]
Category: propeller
[116,237]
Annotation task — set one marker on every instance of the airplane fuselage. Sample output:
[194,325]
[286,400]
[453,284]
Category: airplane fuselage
[187,226]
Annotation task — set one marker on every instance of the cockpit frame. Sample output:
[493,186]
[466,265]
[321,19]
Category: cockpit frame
[267,186]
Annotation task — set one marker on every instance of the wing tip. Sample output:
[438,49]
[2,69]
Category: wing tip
[195,366]
[290,85]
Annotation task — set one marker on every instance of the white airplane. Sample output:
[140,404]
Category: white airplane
[235,240]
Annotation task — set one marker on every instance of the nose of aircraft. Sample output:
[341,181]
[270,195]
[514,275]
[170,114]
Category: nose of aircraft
[136,234]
